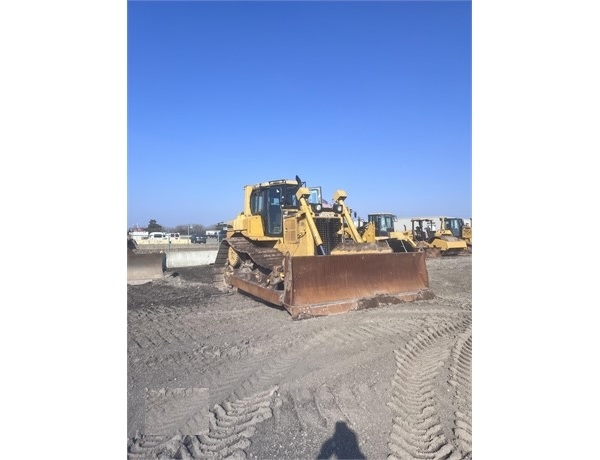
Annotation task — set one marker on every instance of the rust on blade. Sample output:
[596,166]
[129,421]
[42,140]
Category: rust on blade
[310,311]
[319,286]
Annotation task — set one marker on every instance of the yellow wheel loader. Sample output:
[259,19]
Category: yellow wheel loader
[143,268]
[290,250]
[423,231]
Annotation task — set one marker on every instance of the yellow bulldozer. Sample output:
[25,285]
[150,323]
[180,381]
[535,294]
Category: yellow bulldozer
[382,226]
[290,249]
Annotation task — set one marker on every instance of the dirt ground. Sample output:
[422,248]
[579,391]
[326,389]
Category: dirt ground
[213,373]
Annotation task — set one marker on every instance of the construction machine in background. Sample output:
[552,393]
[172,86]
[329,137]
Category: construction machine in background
[143,267]
[423,231]
[288,249]
[382,226]
[459,228]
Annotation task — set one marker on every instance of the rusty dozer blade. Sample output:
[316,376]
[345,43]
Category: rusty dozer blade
[328,285]
[142,268]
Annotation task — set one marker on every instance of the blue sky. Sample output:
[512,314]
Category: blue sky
[370,97]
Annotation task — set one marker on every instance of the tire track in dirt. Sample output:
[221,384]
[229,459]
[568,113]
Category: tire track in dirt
[318,409]
[237,384]
[231,425]
[460,379]
[420,428]
[276,370]
[180,363]
[175,410]
[325,406]
[167,340]
[184,362]
[160,327]
[240,378]
[234,381]
[261,374]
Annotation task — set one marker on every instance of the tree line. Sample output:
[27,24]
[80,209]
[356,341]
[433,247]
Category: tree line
[154,226]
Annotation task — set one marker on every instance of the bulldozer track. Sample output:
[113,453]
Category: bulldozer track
[267,376]
[265,257]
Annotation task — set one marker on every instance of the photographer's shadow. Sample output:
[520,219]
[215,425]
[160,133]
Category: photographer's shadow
[342,445]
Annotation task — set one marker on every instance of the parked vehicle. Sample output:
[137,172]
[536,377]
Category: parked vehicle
[459,228]
[197,238]
[443,239]
[220,234]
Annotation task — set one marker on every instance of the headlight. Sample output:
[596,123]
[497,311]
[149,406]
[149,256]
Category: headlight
[337,208]
[317,207]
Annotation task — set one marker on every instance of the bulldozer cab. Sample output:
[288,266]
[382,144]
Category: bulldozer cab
[271,202]
[268,202]
[454,225]
[383,223]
